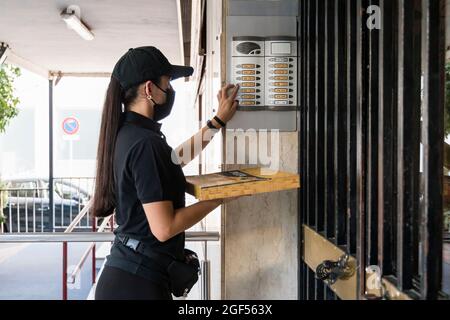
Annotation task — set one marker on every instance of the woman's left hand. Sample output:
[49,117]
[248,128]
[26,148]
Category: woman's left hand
[227,102]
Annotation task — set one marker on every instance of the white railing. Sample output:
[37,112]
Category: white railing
[97,235]
[27,209]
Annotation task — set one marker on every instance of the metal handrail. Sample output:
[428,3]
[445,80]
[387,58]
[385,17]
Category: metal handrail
[79,265]
[78,218]
[99,236]
[83,258]
[50,237]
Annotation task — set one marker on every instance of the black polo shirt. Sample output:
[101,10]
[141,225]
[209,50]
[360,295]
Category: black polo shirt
[144,173]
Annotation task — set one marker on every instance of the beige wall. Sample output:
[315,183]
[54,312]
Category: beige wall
[259,238]
[257,255]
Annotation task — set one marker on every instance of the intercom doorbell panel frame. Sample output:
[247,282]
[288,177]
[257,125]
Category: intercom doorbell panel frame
[280,71]
[254,35]
[266,70]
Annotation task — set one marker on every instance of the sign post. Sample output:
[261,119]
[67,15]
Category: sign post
[71,127]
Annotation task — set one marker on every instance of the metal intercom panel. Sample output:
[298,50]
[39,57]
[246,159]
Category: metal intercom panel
[257,31]
[266,70]
[280,72]
[248,70]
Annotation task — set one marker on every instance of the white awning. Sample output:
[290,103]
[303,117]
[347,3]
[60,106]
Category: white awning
[40,41]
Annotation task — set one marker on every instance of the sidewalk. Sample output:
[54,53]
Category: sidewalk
[33,271]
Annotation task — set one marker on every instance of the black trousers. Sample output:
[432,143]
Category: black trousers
[117,284]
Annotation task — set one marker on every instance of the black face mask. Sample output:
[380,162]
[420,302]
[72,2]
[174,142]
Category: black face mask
[160,111]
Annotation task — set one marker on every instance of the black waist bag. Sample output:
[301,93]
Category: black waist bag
[183,275]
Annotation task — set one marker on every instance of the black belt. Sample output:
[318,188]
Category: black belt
[142,248]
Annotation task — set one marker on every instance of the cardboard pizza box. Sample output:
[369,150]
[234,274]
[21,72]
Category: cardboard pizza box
[240,182]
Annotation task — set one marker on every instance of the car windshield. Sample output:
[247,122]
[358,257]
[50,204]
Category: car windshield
[68,192]
[22,189]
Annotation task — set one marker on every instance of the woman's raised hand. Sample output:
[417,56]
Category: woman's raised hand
[227,102]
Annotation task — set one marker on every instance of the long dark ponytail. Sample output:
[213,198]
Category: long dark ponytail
[104,200]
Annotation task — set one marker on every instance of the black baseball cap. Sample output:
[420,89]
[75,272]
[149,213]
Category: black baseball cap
[141,64]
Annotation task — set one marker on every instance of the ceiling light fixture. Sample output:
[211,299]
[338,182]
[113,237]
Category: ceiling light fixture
[74,23]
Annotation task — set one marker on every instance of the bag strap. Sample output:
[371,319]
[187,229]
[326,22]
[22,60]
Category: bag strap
[142,248]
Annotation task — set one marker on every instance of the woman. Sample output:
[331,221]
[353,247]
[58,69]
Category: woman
[137,177]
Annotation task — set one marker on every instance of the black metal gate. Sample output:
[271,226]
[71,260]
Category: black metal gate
[372,95]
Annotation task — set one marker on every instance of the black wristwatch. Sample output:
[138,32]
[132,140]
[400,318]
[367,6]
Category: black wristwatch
[219,121]
[210,125]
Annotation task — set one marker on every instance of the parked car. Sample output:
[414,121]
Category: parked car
[29,204]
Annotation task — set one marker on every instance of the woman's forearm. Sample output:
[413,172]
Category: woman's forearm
[204,135]
[226,109]
[185,218]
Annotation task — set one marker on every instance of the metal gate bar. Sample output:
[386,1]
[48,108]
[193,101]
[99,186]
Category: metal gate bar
[362,123]
[432,133]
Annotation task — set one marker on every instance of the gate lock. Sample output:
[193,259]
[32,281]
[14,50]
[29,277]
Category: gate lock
[331,271]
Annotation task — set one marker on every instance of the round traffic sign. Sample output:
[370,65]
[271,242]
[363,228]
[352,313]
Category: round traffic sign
[70,125]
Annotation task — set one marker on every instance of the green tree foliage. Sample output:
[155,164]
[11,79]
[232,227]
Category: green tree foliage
[8,101]
[8,110]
